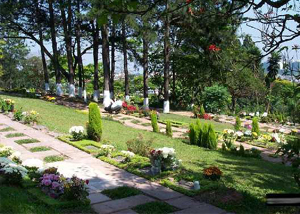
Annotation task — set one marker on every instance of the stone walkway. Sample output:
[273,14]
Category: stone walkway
[100,174]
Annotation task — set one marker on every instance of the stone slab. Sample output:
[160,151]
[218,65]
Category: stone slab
[98,198]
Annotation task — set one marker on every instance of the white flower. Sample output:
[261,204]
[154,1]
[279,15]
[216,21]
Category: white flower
[257,114]
[265,114]
[33,163]
[167,151]
[248,133]
[239,134]
[24,113]
[76,129]
[276,137]
[128,153]
[15,155]
[228,131]
[105,146]
[251,114]
[281,130]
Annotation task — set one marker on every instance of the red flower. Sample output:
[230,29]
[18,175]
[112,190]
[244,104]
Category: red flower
[214,48]
[188,1]
[87,182]
[190,11]
[207,117]
[124,105]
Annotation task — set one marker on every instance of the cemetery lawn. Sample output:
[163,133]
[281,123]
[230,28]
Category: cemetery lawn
[251,177]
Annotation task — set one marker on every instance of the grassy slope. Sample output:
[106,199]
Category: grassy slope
[253,176]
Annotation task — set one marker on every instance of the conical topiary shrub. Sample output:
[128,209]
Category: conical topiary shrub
[237,126]
[212,141]
[154,121]
[255,126]
[94,126]
[169,131]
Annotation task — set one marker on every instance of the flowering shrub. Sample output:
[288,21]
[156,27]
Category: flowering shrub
[106,150]
[214,48]
[57,186]
[164,158]
[7,105]
[229,137]
[18,116]
[212,173]
[77,132]
[30,117]
[128,153]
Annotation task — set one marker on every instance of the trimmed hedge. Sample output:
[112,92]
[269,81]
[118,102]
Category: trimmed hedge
[94,126]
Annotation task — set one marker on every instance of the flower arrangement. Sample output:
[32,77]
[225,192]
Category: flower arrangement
[164,159]
[49,98]
[77,132]
[106,150]
[7,105]
[11,172]
[31,117]
[57,186]
[212,173]
[128,153]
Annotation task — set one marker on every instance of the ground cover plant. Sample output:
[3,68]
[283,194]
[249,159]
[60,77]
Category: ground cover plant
[39,149]
[251,177]
[14,135]
[7,129]
[53,158]
[26,141]
[121,192]
[157,207]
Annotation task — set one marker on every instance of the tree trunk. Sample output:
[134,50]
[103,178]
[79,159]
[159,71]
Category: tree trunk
[59,91]
[79,56]
[125,61]
[106,62]
[166,60]
[113,62]
[68,42]
[44,62]
[145,70]
[96,65]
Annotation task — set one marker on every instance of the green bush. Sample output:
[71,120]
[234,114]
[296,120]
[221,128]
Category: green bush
[216,99]
[139,146]
[203,136]
[255,126]
[192,134]
[212,141]
[237,126]
[154,121]
[169,131]
[94,126]
[202,111]
[242,150]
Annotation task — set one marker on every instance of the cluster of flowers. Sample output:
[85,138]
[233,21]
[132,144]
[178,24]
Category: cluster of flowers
[7,105]
[9,101]
[30,116]
[56,185]
[213,173]
[77,132]
[128,153]
[214,48]
[49,98]
[251,114]
[164,158]
[106,150]
[129,108]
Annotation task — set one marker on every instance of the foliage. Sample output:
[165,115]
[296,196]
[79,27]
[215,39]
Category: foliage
[31,117]
[216,99]
[94,126]
[164,159]
[106,150]
[121,192]
[154,121]
[158,207]
[18,116]
[139,146]
[77,132]
[169,131]
[53,158]
[237,126]
[27,141]
[255,126]
[212,173]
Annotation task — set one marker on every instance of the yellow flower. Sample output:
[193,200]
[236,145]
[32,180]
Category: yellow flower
[254,134]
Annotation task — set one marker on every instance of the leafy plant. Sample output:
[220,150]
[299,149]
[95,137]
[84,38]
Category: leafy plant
[121,192]
[255,126]
[154,121]
[94,126]
[212,173]
[139,146]
[18,115]
[169,131]
[237,126]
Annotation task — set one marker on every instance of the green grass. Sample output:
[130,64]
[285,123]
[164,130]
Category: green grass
[126,118]
[185,119]
[53,158]
[121,192]
[146,124]
[26,141]
[82,144]
[135,121]
[18,200]
[7,129]
[156,207]
[14,135]
[40,149]
[250,176]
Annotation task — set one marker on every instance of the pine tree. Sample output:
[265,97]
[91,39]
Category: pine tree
[237,126]
[169,131]
[94,126]
[255,126]
[154,121]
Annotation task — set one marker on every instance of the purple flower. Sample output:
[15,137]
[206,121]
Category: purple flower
[55,185]
[46,182]
[56,177]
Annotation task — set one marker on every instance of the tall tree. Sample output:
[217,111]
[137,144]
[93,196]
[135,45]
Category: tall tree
[105,61]
[113,60]
[95,30]
[166,58]
[125,59]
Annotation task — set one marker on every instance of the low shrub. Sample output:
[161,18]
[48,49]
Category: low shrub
[139,146]
[169,131]
[18,115]
[255,126]
[203,136]
[94,126]
[237,126]
[77,132]
[31,117]
[212,173]
[154,121]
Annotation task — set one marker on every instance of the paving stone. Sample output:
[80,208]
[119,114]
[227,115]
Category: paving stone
[98,198]
[184,202]
[121,204]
